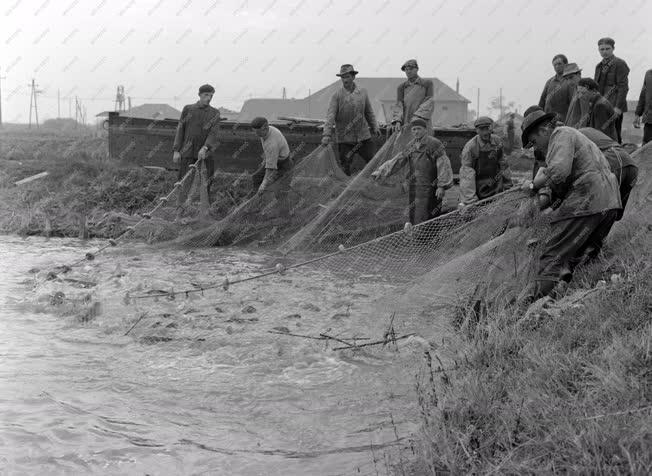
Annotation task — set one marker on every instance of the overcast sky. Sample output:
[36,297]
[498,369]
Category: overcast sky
[162,50]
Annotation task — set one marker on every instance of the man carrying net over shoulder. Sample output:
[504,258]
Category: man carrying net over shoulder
[275,173]
[429,172]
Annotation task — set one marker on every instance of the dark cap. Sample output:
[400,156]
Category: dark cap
[589,84]
[483,121]
[258,122]
[607,41]
[206,88]
[411,63]
[417,121]
[531,121]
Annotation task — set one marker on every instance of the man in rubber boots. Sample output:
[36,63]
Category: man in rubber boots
[196,138]
[586,203]
[429,172]
[621,163]
[413,98]
[352,118]
[275,173]
[484,171]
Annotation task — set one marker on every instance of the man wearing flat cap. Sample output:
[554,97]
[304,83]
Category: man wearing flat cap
[612,76]
[586,202]
[196,138]
[413,98]
[429,172]
[484,171]
[352,118]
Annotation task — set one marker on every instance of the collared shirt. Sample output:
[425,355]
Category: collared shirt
[429,165]
[351,115]
[612,76]
[575,165]
[414,98]
[198,127]
[470,176]
[275,148]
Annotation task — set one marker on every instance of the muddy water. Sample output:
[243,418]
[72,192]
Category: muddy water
[199,385]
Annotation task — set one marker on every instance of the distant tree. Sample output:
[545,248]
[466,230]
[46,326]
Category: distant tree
[495,107]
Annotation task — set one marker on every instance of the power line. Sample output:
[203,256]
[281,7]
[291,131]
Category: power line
[33,102]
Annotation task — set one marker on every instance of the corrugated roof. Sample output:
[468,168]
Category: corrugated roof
[380,90]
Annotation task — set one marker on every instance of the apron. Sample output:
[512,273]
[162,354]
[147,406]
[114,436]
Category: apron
[421,192]
[488,177]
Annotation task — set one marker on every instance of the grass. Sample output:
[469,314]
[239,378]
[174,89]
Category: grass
[568,389]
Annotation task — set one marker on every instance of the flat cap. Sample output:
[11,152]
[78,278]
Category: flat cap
[206,88]
[483,121]
[412,63]
[417,121]
[258,122]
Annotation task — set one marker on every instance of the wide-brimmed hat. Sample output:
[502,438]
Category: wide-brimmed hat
[571,68]
[346,69]
[531,121]
[411,62]
[483,121]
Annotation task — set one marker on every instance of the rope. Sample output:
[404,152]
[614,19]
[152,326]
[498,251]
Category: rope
[280,269]
[146,216]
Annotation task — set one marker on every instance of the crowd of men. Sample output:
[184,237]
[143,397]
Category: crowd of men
[582,176]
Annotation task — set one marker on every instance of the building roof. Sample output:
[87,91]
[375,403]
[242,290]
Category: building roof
[380,90]
[153,111]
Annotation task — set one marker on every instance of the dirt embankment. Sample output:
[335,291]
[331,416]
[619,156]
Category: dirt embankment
[85,193]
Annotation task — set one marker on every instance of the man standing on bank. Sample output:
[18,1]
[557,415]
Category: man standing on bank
[590,109]
[429,172]
[484,171]
[551,98]
[196,138]
[612,75]
[585,208]
[275,173]
[351,116]
[413,98]
[644,108]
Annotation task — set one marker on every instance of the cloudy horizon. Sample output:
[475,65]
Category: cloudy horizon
[162,50]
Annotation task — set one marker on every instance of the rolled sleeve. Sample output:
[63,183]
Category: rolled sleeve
[467,176]
[444,172]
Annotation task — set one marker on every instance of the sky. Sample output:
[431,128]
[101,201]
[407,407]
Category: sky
[161,51]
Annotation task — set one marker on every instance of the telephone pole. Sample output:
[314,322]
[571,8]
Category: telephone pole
[58,104]
[33,103]
[1,78]
[477,107]
[500,99]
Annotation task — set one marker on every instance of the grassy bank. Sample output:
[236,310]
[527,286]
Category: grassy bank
[567,388]
[85,192]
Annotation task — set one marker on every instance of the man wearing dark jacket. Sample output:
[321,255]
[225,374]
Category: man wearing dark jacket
[590,109]
[644,108]
[196,138]
[551,98]
[612,74]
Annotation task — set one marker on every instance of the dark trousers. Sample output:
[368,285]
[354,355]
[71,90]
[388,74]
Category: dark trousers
[184,166]
[647,133]
[628,177]
[571,242]
[347,150]
[280,187]
[619,127]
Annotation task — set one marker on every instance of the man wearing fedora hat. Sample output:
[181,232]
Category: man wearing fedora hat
[586,201]
[484,171]
[551,100]
[196,138]
[413,98]
[352,118]
[566,91]
[429,172]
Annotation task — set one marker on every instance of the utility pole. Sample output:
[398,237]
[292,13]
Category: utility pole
[69,107]
[58,104]
[33,103]
[284,94]
[477,108]
[500,99]
[1,78]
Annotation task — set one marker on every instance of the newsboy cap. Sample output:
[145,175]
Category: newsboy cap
[412,63]
[417,121]
[206,88]
[483,121]
[258,122]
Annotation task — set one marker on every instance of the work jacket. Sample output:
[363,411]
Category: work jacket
[593,111]
[198,126]
[612,78]
[351,115]
[644,106]
[553,98]
[577,167]
[414,98]
[484,171]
